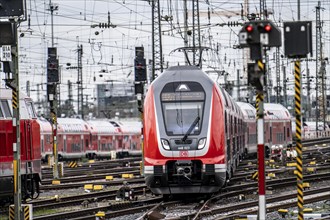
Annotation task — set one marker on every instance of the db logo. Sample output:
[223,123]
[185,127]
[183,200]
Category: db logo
[184,153]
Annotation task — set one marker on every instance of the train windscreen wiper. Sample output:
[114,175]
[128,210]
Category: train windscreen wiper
[190,129]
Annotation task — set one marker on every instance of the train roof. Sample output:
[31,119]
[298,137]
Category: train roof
[276,111]
[130,126]
[311,125]
[27,110]
[45,125]
[102,126]
[182,73]
[72,124]
[249,112]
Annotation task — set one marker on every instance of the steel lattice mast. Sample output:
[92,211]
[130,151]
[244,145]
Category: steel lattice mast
[157,53]
[196,34]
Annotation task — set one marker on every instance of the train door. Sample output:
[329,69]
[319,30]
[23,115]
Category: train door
[64,143]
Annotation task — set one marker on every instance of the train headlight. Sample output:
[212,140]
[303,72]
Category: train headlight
[165,144]
[201,143]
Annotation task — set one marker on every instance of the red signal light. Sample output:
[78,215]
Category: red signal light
[268,28]
[249,28]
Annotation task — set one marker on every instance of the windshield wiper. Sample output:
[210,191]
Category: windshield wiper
[190,129]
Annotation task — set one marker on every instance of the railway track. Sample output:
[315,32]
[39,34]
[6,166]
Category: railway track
[148,205]
[251,207]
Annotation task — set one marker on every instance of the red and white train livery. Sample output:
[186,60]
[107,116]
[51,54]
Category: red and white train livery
[193,133]
[101,138]
[29,146]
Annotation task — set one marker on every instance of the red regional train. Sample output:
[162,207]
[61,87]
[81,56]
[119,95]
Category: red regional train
[29,146]
[101,138]
[278,129]
[193,133]
[249,115]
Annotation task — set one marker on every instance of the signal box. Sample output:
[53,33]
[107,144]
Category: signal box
[298,39]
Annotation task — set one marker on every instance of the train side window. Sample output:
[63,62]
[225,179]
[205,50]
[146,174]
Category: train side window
[226,123]
[6,109]
[3,147]
[223,93]
[231,125]
[42,145]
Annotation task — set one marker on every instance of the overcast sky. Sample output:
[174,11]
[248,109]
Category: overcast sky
[108,53]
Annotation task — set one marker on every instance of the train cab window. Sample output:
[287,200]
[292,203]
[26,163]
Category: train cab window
[31,111]
[5,109]
[182,107]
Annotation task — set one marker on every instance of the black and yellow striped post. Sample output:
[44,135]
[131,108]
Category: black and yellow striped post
[11,212]
[27,212]
[260,142]
[14,85]
[53,115]
[299,167]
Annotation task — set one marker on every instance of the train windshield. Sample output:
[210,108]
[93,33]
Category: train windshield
[182,103]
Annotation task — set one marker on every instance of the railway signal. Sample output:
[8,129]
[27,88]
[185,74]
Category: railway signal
[255,76]
[262,32]
[256,35]
[52,66]
[140,69]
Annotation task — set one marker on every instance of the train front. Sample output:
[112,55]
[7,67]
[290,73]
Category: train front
[184,139]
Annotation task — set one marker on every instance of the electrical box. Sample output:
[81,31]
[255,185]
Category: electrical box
[7,33]
[298,39]
[12,8]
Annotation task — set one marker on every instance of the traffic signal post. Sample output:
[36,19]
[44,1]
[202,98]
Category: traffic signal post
[52,80]
[9,55]
[298,44]
[140,77]
[256,35]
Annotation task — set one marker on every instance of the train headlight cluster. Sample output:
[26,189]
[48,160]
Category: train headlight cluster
[165,144]
[201,143]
